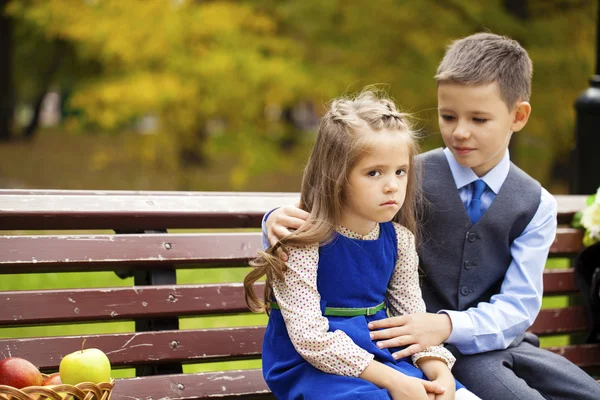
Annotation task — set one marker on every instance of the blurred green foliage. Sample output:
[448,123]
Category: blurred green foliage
[219,74]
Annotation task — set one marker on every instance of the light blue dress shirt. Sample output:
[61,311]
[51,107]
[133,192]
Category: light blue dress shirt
[494,325]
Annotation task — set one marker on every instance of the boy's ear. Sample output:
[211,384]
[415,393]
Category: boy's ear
[522,113]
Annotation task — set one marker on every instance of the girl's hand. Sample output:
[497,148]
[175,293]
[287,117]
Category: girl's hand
[449,384]
[414,388]
[438,372]
[399,386]
[279,223]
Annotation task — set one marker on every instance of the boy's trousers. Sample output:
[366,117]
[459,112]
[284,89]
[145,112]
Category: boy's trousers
[523,372]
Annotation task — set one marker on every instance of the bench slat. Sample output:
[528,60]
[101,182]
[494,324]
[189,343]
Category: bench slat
[29,254]
[559,281]
[101,252]
[568,241]
[240,384]
[136,211]
[121,303]
[582,355]
[560,320]
[144,347]
[140,210]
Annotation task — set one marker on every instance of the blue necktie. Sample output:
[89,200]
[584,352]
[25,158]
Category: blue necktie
[474,208]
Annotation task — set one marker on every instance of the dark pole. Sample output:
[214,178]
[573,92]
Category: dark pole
[585,155]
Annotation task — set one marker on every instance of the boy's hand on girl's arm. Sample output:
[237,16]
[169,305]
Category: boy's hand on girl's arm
[400,386]
[438,372]
[417,331]
[279,223]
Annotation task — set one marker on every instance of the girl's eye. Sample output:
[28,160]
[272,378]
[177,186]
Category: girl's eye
[374,173]
[447,117]
[401,172]
[480,120]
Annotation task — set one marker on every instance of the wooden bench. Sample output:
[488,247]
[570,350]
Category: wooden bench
[42,233]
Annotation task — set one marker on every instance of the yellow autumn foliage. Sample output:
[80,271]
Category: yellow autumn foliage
[196,64]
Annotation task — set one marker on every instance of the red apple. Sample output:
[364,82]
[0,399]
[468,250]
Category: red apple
[52,379]
[19,373]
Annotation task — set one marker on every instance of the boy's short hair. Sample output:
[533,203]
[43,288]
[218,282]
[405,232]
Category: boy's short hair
[484,58]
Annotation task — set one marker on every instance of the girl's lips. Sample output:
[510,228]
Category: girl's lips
[389,203]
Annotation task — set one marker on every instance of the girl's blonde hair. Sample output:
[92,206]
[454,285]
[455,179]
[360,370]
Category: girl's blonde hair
[337,149]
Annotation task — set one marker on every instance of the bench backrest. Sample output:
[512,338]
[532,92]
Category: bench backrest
[49,232]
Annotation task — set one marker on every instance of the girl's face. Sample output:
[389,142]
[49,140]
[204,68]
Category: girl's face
[377,183]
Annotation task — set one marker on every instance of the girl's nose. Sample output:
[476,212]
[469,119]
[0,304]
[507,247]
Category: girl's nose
[391,185]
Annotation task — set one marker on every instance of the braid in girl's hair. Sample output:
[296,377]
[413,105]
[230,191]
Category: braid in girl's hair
[336,150]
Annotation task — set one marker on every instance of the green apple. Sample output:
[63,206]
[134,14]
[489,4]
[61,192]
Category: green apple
[85,365]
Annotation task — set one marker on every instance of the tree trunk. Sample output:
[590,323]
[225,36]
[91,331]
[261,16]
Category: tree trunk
[59,49]
[7,97]
[518,8]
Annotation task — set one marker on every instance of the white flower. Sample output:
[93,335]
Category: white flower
[590,219]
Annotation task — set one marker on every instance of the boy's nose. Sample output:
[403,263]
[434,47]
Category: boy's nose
[461,132]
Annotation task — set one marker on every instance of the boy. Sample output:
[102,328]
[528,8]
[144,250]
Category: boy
[487,230]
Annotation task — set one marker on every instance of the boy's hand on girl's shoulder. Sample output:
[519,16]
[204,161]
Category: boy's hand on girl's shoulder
[280,223]
[417,331]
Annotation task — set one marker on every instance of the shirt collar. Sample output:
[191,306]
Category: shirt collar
[373,235]
[464,176]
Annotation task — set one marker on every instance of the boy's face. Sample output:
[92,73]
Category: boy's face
[476,124]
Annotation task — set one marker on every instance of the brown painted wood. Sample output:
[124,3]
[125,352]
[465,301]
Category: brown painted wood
[125,303]
[568,205]
[137,210]
[582,355]
[121,303]
[23,254]
[144,347]
[560,320]
[559,281]
[63,209]
[568,241]
[240,384]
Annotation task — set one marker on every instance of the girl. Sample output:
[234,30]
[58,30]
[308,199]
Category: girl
[347,265]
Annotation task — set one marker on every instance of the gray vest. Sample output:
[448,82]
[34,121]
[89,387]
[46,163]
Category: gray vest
[464,264]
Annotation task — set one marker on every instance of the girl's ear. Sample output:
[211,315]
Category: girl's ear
[522,112]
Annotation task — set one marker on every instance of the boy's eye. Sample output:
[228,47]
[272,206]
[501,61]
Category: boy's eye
[479,120]
[374,173]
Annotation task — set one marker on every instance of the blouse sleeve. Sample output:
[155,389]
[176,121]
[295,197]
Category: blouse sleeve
[299,302]
[404,293]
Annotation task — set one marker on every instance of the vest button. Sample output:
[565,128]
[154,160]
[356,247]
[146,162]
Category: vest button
[465,291]
[469,264]
[471,236]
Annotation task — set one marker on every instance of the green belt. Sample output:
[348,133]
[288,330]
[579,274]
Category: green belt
[345,312]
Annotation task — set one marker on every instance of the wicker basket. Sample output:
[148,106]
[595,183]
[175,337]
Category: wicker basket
[81,391]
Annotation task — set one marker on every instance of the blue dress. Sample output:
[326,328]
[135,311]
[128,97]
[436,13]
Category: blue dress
[351,273]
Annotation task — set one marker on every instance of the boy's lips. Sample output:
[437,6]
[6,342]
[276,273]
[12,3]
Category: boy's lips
[463,150]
